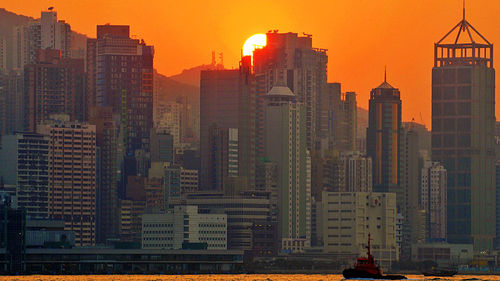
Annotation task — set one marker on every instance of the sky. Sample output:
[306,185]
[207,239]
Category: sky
[362,36]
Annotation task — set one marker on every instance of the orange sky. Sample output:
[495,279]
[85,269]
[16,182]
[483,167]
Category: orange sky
[361,35]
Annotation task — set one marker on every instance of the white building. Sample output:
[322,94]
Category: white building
[434,198]
[349,217]
[184,225]
[55,34]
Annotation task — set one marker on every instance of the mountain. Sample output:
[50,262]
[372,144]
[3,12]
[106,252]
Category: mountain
[169,89]
[191,76]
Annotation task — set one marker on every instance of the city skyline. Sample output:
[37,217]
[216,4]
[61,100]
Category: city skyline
[400,25]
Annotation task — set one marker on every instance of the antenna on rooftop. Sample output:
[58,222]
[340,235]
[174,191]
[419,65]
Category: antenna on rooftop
[385,73]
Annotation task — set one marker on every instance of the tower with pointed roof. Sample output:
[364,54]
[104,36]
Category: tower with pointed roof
[463,127]
[383,136]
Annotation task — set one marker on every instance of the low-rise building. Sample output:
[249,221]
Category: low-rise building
[184,227]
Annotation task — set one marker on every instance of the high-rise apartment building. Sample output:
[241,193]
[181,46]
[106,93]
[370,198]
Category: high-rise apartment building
[25,166]
[55,34]
[463,128]
[285,141]
[120,71]
[53,85]
[290,60]
[342,118]
[349,172]
[72,177]
[434,199]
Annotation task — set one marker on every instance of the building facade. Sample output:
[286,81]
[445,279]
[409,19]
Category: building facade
[72,178]
[285,143]
[183,226]
[434,199]
[348,219]
[463,128]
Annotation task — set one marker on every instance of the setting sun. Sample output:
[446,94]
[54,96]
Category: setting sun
[255,41]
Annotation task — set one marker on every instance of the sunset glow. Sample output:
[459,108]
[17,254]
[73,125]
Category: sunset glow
[255,41]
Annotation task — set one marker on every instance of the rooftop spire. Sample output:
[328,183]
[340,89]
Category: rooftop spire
[385,73]
[464,10]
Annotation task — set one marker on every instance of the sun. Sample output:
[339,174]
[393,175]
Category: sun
[254,42]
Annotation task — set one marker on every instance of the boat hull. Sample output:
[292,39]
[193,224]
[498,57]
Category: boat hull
[352,273]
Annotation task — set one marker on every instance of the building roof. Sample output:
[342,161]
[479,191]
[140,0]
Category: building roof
[281,91]
[463,33]
[385,85]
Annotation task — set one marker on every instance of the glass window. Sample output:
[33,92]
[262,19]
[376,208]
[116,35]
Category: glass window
[449,93]
[449,108]
[449,76]
[464,76]
[464,92]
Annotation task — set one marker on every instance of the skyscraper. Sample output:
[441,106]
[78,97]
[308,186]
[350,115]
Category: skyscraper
[383,139]
[463,128]
[120,71]
[227,101]
[342,118]
[285,144]
[290,60]
[55,34]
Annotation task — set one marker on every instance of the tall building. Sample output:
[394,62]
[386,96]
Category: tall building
[285,143]
[342,118]
[434,199]
[55,34]
[349,172]
[120,71]
[25,165]
[463,128]
[290,60]
[3,55]
[107,173]
[72,177]
[383,140]
[53,85]
[227,101]
[348,219]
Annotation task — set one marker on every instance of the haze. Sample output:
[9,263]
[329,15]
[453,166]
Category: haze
[361,35]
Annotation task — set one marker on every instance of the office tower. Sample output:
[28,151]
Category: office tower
[344,212]
[72,177]
[227,101]
[342,118]
[25,165]
[120,71]
[290,60]
[434,199]
[107,173]
[463,128]
[383,140]
[348,172]
[53,86]
[223,157]
[162,146]
[285,141]
[130,219]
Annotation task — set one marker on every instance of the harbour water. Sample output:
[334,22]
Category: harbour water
[222,277]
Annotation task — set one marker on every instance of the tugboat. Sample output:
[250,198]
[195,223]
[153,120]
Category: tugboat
[367,268]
